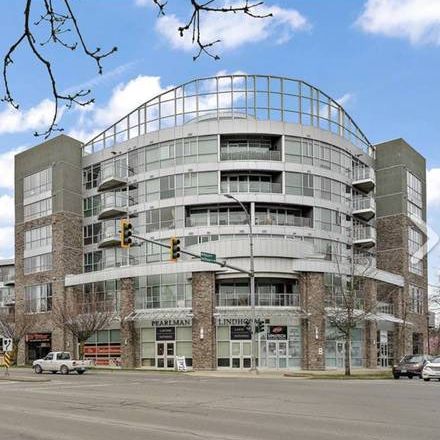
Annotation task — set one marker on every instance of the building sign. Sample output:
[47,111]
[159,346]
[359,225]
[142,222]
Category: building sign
[233,321]
[172,322]
[277,333]
[165,333]
[38,337]
[180,363]
[240,332]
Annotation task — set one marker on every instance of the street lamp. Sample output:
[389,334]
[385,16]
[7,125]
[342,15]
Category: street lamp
[251,280]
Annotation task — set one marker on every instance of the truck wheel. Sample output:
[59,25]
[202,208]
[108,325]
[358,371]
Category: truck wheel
[396,376]
[64,369]
[80,371]
[410,376]
[38,369]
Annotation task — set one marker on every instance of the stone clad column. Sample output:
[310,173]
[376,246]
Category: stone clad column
[203,324]
[370,337]
[312,293]
[129,346]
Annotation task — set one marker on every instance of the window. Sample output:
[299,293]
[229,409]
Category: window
[37,183]
[92,233]
[415,242]
[39,263]
[92,261]
[38,209]
[414,211]
[416,299]
[91,176]
[414,189]
[38,298]
[38,237]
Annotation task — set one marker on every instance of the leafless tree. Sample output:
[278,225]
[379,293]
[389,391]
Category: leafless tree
[15,329]
[83,319]
[58,19]
[348,304]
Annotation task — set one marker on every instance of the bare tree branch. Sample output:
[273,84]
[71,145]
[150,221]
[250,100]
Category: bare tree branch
[57,23]
[194,23]
[84,319]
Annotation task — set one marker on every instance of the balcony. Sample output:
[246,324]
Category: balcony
[9,279]
[109,236]
[301,222]
[235,299]
[364,178]
[364,207]
[250,187]
[113,175]
[113,205]
[364,235]
[385,307]
[270,155]
[365,258]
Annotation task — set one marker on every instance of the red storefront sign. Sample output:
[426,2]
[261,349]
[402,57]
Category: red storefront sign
[38,337]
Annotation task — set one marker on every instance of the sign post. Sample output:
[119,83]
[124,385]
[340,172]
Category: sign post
[8,358]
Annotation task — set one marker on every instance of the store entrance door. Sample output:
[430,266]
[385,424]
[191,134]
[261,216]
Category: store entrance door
[277,354]
[241,354]
[165,354]
[340,354]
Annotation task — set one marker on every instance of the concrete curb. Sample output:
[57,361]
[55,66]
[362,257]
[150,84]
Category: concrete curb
[23,379]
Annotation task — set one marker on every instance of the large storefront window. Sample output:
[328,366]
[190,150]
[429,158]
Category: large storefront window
[160,344]
[278,346]
[104,348]
[335,348]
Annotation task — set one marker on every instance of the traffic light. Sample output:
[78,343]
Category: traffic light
[259,326]
[125,233]
[174,249]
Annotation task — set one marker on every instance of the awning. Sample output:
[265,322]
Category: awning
[159,314]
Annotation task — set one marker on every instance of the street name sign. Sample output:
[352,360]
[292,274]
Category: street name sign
[207,257]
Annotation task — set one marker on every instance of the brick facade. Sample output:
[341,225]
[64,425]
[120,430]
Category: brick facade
[129,335]
[203,323]
[313,327]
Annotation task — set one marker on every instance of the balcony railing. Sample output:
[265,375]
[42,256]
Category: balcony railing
[302,222]
[362,232]
[112,204]
[363,173]
[384,307]
[361,203]
[112,175]
[251,187]
[234,299]
[250,155]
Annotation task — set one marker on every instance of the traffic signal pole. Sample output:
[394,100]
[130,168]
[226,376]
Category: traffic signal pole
[192,254]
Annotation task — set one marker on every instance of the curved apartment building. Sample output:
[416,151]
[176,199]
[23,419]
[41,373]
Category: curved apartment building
[200,162]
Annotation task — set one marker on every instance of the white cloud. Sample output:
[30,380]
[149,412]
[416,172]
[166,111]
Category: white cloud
[143,2]
[7,242]
[36,118]
[235,30]
[433,185]
[345,99]
[125,98]
[7,168]
[6,210]
[415,20]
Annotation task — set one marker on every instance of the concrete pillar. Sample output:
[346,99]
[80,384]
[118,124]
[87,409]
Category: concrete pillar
[129,339]
[312,293]
[370,330]
[203,324]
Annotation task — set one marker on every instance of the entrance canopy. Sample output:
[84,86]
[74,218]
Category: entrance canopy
[158,314]
[260,312]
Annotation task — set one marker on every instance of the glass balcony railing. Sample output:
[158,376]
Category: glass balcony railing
[250,155]
[113,174]
[385,307]
[364,233]
[235,299]
[363,173]
[250,187]
[301,222]
[113,204]
[361,203]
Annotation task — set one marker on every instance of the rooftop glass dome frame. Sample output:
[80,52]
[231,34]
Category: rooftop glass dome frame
[260,97]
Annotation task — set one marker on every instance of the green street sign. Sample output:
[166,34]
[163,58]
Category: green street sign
[207,257]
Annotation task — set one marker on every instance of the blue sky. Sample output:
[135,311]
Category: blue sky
[381,58]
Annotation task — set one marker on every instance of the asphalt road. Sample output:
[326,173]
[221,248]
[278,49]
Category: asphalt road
[149,406]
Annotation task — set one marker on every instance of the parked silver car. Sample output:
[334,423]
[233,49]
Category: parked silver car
[431,370]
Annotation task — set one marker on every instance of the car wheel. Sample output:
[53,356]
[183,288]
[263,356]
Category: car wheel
[64,369]
[38,369]
[396,376]
[80,371]
[426,379]
[410,376]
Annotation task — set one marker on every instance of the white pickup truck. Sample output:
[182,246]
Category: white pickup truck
[60,361]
